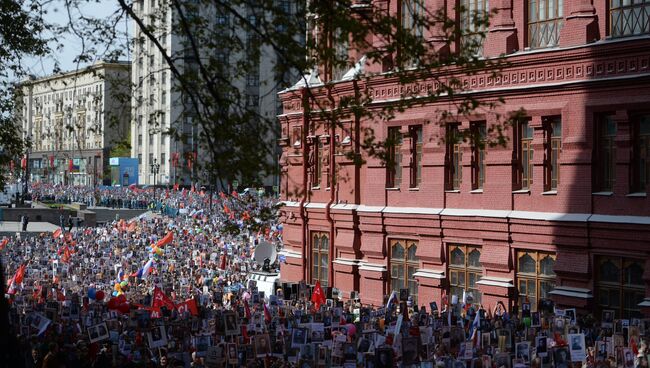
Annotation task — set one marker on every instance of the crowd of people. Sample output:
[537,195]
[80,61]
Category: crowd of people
[175,291]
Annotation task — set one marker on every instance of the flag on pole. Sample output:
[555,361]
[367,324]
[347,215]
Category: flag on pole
[318,296]
[166,239]
[162,300]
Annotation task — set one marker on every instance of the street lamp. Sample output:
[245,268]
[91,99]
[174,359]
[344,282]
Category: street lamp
[155,169]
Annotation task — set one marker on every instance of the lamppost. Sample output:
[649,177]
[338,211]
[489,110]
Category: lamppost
[155,168]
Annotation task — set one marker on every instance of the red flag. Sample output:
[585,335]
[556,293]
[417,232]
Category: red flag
[318,296]
[57,233]
[17,279]
[4,243]
[247,309]
[223,262]
[235,194]
[176,186]
[188,305]
[267,314]
[166,240]
[246,216]
[226,209]
[160,299]
[70,165]
[131,227]
[222,195]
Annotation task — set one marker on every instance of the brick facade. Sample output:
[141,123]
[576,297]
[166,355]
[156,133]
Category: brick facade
[587,75]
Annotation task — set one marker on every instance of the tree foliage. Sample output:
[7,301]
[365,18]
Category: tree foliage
[223,42]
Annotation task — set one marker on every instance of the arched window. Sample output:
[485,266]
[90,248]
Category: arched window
[620,286]
[403,265]
[535,276]
[465,270]
[320,245]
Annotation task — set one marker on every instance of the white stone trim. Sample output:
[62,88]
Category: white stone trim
[430,274]
[645,303]
[290,253]
[636,220]
[496,281]
[364,208]
[347,262]
[572,292]
[462,212]
[290,203]
[315,205]
[549,216]
[413,210]
[374,267]
[469,212]
[344,206]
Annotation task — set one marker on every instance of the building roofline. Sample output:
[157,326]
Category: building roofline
[80,71]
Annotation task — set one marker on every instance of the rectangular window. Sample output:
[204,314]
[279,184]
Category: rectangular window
[620,286]
[163,159]
[553,148]
[320,247]
[140,161]
[340,45]
[465,269]
[523,153]
[316,162]
[412,22]
[545,20]
[416,155]
[535,276]
[640,153]
[453,158]
[629,17]
[605,160]
[479,134]
[139,139]
[150,139]
[473,20]
[394,158]
[404,263]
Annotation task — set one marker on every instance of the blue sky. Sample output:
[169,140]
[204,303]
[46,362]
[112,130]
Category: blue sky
[57,14]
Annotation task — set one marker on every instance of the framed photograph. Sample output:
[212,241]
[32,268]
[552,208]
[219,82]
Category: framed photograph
[570,314]
[403,295]
[607,318]
[601,350]
[559,324]
[384,358]
[410,350]
[232,353]
[577,347]
[628,358]
[522,351]
[98,333]
[561,357]
[541,346]
[230,323]
[298,337]
[262,345]
[157,337]
[535,319]
[502,360]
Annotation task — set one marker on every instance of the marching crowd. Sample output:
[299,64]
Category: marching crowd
[162,291]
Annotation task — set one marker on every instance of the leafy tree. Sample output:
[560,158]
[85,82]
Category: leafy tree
[309,40]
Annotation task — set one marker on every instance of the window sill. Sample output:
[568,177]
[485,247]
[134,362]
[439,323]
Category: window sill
[393,189]
[550,192]
[637,195]
[414,189]
[315,188]
[452,191]
[521,191]
[476,191]
[605,194]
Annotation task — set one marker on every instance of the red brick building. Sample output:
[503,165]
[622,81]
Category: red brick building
[560,212]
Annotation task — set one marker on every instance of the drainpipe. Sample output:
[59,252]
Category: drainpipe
[332,170]
[305,157]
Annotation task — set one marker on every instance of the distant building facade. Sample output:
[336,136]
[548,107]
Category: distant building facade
[158,104]
[561,212]
[73,120]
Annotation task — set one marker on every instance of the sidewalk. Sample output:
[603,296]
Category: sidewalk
[15,226]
